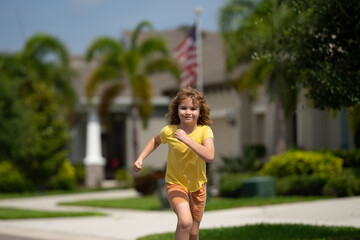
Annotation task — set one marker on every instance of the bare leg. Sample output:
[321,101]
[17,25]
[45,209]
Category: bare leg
[194,234]
[185,221]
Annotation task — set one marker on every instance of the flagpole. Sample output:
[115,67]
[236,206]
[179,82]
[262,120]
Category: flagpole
[199,82]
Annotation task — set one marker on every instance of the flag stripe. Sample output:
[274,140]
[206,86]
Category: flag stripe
[185,55]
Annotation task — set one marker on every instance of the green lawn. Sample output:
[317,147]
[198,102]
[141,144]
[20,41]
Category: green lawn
[271,232]
[215,203]
[52,193]
[14,213]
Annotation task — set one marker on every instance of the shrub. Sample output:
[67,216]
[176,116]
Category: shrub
[79,173]
[49,143]
[303,163]
[230,184]
[300,185]
[257,150]
[342,185]
[124,178]
[351,157]
[249,162]
[146,184]
[231,164]
[65,179]
[11,179]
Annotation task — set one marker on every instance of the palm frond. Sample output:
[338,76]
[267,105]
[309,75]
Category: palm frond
[103,46]
[257,74]
[99,76]
[153,45]
[138,29]
[131,61]
[107,97]
[164,65]
[41,45]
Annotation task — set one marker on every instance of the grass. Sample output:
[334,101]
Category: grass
[271,232]
[215,203]
[52,193]
[142,203]
[14,213]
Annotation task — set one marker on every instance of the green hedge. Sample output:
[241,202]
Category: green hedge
[302,163]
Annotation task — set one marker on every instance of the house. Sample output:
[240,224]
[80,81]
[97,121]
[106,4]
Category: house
[237,121]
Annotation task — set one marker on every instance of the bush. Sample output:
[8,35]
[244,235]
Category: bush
[11,179]
[79,173]
[50,141]
[230,185]
[300,185]
[342,185]
[351,157]
[124,178]
[146,184]
[303,163]
[257,150]
[65,179]
[250,162]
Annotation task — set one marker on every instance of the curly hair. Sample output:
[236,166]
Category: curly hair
[197,99]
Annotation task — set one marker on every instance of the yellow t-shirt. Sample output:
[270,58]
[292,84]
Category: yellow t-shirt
[184,166]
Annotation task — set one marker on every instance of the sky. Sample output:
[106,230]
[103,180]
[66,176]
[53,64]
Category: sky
[77,22]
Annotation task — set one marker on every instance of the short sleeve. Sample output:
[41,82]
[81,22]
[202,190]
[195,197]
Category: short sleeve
[162,135]
[208,133]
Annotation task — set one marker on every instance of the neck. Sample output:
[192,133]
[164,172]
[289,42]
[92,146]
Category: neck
[188,128]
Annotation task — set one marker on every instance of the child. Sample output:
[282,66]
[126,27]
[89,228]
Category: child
[191,144]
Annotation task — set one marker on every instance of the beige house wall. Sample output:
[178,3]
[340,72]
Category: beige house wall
[157,159]
[225,104]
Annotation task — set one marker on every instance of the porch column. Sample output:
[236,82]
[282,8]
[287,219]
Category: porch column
[94,162]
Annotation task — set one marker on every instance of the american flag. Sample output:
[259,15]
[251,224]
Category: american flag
[185,54]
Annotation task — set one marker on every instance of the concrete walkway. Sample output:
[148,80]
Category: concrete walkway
[124,224]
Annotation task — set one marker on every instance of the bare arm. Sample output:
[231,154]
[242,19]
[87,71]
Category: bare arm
[206,150]
[149,148]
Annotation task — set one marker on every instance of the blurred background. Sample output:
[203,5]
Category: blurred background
[84,84]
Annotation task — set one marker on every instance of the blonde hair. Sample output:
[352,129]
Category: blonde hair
[197,99]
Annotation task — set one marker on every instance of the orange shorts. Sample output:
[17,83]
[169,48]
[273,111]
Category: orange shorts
[177,194]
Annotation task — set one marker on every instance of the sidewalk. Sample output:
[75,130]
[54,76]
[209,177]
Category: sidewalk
[131,224]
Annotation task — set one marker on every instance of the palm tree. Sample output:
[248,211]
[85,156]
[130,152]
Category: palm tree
[251,31]
[48,60]
[121,65]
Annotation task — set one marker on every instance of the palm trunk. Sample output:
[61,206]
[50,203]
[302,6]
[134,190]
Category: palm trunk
[135,118]
[280,128]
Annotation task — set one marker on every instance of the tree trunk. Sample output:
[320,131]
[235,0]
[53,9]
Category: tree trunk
[280,128]
[135,118]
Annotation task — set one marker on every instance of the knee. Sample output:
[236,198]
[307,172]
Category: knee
[185,224]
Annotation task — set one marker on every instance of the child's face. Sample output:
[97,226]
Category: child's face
[188,112]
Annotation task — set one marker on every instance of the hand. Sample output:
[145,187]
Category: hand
[138,165]
[180,135]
